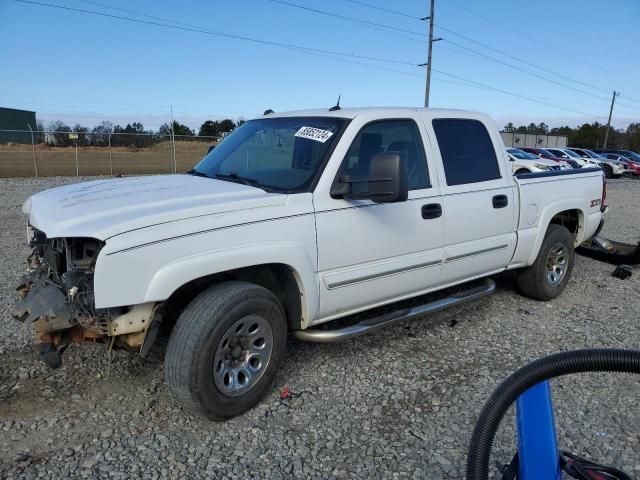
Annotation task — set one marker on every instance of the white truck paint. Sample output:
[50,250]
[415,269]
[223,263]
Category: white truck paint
[162,231]
[158,233]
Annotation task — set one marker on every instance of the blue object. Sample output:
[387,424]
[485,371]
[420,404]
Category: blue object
[539,458]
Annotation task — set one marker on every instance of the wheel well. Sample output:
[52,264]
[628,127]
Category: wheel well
[570,219]
[278,278]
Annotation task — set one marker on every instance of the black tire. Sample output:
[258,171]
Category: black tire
[608,171]
[533,281]
[521,170]
[198,337]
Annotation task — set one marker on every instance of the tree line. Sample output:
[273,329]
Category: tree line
[56,133]
[587,135]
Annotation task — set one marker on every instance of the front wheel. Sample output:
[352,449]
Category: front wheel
[548,276]
[225,349]
[608,171]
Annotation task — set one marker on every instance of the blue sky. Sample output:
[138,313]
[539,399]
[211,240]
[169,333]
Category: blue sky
[86,68]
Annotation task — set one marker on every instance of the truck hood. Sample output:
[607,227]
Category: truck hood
[105,208]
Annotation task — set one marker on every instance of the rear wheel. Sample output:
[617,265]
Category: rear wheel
[550,273]
[225,349]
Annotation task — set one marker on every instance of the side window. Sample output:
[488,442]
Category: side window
[393,136]
[467,152]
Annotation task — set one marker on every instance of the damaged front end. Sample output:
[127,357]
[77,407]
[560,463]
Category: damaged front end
[57,297]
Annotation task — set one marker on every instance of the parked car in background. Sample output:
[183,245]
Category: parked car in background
[566,154]
[544,153]
[630,154]
[634,167]
[611,168]
[525,162]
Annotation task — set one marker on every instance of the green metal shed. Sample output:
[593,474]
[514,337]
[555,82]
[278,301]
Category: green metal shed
[11,120]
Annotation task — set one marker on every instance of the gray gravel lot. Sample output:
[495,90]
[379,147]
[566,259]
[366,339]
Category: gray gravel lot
[400,403]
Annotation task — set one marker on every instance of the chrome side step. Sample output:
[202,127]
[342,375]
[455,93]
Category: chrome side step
[376,323]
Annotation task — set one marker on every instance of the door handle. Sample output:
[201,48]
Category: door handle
[500,201]
[432,210]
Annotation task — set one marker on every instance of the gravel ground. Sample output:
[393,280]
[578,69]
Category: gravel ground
[400,403]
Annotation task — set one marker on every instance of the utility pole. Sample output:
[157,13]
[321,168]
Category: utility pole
[606,135]
[33,147]
[429,49]
[173,144]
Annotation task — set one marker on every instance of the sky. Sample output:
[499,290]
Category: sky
[84,68]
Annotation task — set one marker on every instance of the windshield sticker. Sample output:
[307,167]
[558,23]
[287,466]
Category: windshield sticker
[313,133]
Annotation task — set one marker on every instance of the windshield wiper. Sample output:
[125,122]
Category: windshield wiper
[234,177]
[197,173]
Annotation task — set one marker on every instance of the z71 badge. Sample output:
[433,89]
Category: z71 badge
[595,203]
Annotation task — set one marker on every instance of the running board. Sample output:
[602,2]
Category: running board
[376,323]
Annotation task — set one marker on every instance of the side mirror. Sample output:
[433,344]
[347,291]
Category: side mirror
[388,180]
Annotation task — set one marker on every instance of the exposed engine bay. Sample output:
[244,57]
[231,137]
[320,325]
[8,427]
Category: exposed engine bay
[57,296]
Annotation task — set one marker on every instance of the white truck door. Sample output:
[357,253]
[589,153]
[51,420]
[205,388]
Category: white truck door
[368,253]
[479,199]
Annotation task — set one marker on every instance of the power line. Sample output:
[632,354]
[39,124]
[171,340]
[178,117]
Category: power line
[388,10]
[345,17]
[513,94]
[553,47]
[214,33]
[513,57]
[515,67]
[501,52]
[307,50]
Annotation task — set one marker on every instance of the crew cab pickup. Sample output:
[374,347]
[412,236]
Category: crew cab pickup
[295,220]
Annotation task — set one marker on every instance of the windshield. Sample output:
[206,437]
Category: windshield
[557,153]
[593,154]
[281,154]
[632,155]
[522,155]
[572,154]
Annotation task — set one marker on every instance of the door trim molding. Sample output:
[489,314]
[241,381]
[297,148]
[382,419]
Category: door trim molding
[387,273]
[473,254]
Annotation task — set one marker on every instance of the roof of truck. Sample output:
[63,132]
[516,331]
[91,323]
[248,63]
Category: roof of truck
[354,112]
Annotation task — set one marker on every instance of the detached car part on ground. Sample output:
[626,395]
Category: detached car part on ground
[294,221]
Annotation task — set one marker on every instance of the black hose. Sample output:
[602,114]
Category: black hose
[578,361]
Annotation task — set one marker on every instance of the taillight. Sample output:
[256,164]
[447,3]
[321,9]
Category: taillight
[604,194]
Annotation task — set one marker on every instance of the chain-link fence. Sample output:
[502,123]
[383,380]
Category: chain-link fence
[44,153]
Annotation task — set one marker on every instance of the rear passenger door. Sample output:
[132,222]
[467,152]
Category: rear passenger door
[478,199]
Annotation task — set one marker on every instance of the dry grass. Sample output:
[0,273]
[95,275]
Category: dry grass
[17,160]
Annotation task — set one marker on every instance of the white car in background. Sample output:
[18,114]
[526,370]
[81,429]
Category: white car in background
[611,168]
[567,154]
[525,162]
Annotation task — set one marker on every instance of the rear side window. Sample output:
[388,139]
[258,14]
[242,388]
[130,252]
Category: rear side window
[467,151]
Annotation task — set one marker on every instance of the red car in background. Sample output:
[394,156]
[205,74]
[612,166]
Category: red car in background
[634,166]
[541,152]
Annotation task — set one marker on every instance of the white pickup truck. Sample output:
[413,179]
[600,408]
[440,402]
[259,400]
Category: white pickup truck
[295,220]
